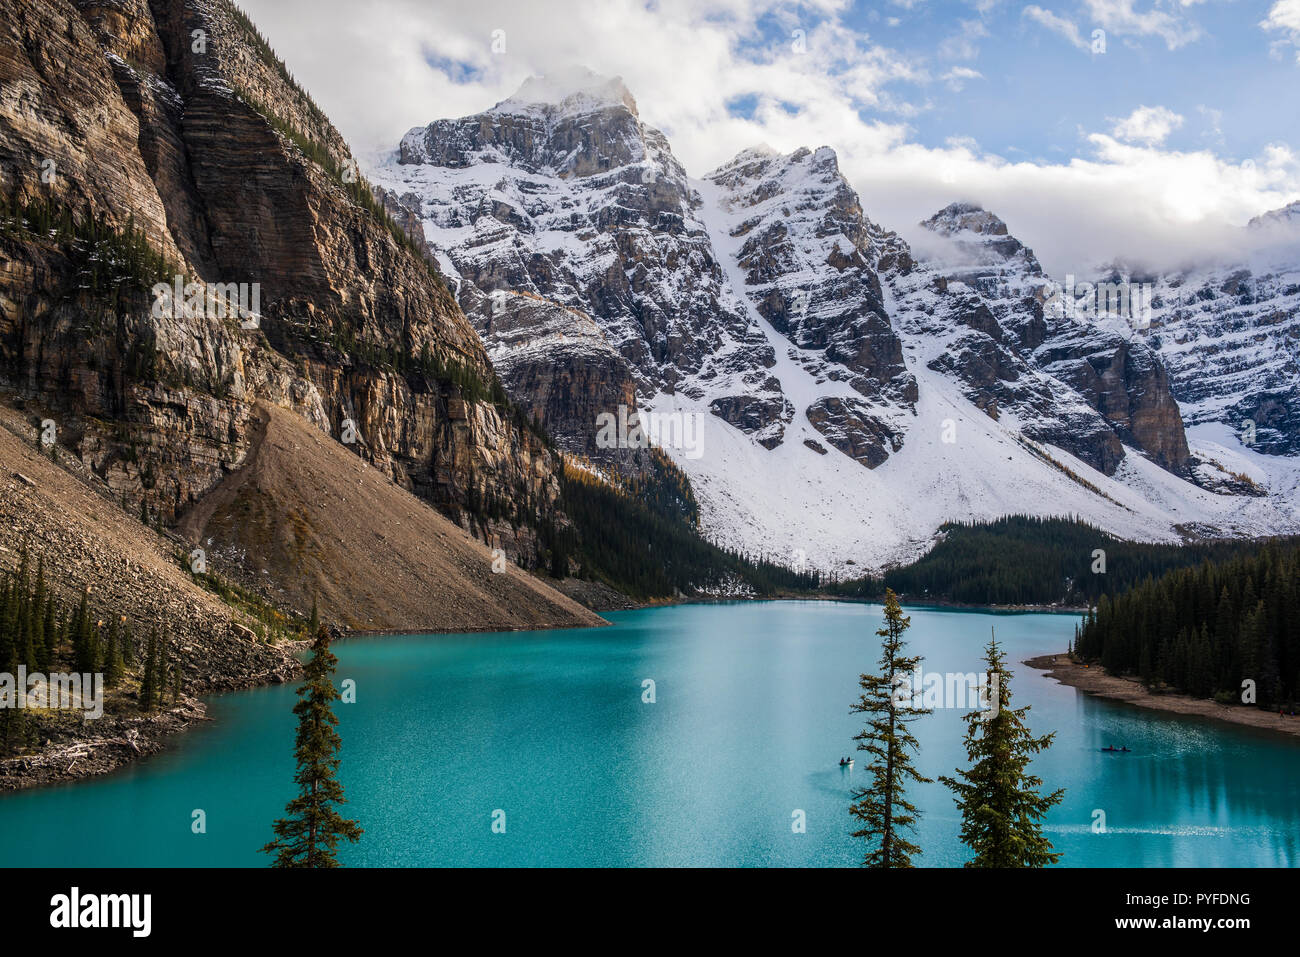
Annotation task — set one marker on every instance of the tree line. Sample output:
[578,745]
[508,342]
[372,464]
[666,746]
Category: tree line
[44,634]
[651,548]
[1027,560]
[1228,629]
[114,265]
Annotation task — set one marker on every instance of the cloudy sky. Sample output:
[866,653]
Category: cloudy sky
[1141,128]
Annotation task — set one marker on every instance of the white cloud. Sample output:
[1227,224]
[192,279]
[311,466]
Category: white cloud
[1284,16]
[964,44]
[956,77]
[1119,17]
[407,62]
[1057,24]
[1213,121]
[1147,124]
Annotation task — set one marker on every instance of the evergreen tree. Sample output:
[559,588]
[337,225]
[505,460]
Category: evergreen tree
[1203,630]
[13,720]
[6,609]
[35,644]
[162,653]
[1000,803]
[128,644]
[882,806]
[1021,558]
[77,629]
[88,649]
[148,681]
[309,835]
[9,710]
[114,666]
[50,635]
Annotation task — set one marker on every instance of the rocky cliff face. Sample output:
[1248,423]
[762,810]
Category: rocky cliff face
[1015,304]
[174,118]
[1229,334]
[806,256]
[802,247]
[561,192]
[817,268]
[561,369]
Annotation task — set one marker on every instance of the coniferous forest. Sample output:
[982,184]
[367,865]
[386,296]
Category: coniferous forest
[42,634]
[1024,560]
[1206,630]
[648,545]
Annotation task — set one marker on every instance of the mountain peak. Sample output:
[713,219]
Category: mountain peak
[573,89]
[762,158]
[976,238]
[965,217]
[570,122]
[757,151]
[1286,217]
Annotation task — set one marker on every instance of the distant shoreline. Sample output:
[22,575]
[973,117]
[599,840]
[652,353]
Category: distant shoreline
[904,599]
[1095,681]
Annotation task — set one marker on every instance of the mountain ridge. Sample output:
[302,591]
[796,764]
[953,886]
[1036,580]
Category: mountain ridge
[833,327]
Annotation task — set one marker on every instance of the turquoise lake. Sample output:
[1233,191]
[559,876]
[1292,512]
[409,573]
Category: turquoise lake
[750,719]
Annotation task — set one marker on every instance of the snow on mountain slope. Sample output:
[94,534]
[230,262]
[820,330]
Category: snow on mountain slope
[851,397]
[1115,373]
[565,195]
[1282,223]
[842,513]
[1226,333]
[1223,339]
[572,198]
[792,503]
[1230,337]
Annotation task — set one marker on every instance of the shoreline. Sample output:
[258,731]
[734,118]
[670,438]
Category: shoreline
[118,742]
[849,599]
[119,739]
[1094,681]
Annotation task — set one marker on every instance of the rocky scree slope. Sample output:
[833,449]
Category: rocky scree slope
[60,515]
[303,505]
[175,120]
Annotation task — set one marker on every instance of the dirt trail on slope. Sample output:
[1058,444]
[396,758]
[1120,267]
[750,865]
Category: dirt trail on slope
[191,524]
[304,516]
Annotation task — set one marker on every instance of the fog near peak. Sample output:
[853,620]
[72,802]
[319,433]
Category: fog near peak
[698,76]
[1078,228]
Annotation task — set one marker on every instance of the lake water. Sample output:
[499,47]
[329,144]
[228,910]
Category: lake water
[750,718]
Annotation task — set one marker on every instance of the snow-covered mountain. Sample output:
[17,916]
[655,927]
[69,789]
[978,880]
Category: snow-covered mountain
[1283,223]
[1118,375]
[562,192]
[1222,338]
[1229,333]
[853,395]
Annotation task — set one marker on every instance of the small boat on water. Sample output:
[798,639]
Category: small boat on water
[846,762]
[1116,750]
